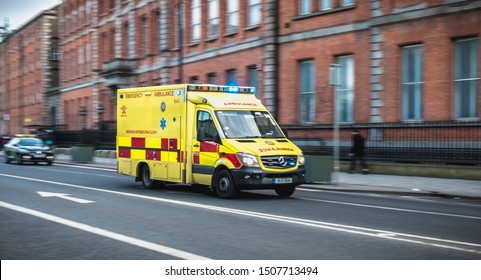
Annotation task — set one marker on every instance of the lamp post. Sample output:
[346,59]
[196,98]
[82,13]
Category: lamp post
[335,74]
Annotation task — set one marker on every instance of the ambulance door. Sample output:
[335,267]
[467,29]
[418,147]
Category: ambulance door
[206,152]
[176,155]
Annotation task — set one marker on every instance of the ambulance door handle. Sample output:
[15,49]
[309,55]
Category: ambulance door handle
[196,145]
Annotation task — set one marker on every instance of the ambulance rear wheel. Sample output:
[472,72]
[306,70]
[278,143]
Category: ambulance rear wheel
[224,185]
[145,177]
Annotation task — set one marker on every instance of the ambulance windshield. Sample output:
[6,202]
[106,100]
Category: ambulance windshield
[248,124]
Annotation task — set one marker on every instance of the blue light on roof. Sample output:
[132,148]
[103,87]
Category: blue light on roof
[234,89]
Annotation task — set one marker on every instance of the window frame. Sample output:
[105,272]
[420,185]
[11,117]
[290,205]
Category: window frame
[472,79]
[345,92]
[412,101]
[307,106]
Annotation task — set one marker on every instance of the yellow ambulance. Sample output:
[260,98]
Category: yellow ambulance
[218,136]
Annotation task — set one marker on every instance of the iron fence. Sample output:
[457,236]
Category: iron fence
[424,142]
[427,142]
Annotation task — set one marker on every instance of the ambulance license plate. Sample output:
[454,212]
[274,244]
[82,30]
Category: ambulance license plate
[282,180]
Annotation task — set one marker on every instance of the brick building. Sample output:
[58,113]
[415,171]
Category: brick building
[29,74]
[108,45]
[402,61]
[398,58]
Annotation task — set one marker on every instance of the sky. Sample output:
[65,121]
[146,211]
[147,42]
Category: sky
[21,11]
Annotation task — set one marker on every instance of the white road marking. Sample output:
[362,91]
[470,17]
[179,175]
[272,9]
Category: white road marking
[106,233]
[64,196]
[87,167]
[391,208]
[410,238]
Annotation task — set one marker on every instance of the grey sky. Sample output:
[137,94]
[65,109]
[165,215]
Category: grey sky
[21,11]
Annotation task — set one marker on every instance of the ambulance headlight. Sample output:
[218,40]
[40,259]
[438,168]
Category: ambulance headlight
[248,159]
[302,160]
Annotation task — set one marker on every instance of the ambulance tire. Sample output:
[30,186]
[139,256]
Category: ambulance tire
[147,182]
[285,191]
[224,184]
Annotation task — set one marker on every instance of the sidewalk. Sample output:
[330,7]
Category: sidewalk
[371,183]
[404,185]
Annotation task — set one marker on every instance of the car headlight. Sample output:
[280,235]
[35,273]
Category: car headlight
[302,160]
[248,159]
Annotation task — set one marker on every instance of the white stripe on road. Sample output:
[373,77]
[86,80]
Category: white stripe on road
[106,233]
[417,239]
[391,208]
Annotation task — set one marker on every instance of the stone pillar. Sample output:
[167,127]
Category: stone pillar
[270,57]
[377,71]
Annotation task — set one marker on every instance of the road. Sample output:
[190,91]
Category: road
[77,212]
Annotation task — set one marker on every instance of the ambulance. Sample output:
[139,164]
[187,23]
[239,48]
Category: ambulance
[218,136]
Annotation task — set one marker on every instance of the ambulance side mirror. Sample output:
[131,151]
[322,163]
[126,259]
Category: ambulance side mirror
[285,132]
[201,134]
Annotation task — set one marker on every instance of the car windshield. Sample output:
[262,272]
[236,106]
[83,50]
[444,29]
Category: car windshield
[248,124]
[31,142]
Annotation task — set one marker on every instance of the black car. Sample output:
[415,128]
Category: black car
[27,149]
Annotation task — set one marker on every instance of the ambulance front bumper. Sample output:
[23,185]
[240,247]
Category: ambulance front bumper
[251,178]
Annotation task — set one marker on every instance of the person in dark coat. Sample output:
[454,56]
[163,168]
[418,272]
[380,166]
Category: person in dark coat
[357,152]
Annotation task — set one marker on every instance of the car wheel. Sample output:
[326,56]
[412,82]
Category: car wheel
[285,191]
[19,159]
[49,162]
[7,158]
[224,185]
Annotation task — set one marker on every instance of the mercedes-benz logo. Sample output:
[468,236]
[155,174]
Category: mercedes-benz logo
[282,161]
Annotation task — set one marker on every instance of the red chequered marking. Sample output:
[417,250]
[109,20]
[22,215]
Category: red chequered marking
[181,157]
[165,143]
[196,158]
[138,142]
[209,146]
[124,152]
[152,154]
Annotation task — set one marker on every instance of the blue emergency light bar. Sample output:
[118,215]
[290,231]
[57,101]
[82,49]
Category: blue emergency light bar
[229,89]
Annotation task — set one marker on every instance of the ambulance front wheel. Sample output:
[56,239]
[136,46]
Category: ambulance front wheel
[224,184]
[285,191]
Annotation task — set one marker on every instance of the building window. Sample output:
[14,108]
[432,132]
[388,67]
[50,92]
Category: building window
[194,79]
[345,91]
[304,7]
[232,16]
[196,20]
[347,3]
[231,79]
[253,79]
[255,12]
[212,78]
[307,107]
[326,5]
[466,78]
[55,54]
[412,82]
[213,17]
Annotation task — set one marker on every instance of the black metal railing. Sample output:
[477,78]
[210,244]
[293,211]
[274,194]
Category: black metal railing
[426,142]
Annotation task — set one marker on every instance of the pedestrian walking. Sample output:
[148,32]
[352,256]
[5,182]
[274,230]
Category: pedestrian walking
[357,152]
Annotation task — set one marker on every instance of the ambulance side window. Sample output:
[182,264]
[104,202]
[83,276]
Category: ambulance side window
[204,119]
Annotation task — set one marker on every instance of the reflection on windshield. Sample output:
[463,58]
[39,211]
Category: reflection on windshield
[248,124]
[31,142]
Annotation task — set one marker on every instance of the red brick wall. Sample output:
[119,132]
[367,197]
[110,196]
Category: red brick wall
[436,35]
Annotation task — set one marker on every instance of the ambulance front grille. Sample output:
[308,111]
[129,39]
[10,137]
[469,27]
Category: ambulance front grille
[279,162]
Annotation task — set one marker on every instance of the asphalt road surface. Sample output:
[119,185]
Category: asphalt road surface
[77,212]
